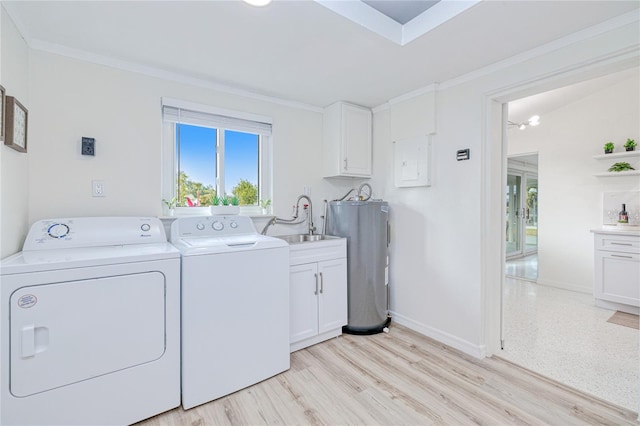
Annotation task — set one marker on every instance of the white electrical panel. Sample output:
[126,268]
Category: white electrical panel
[411,159]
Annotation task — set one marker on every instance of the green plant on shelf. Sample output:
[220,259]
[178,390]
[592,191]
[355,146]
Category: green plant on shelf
[608,147]
[630,145]
[620,167]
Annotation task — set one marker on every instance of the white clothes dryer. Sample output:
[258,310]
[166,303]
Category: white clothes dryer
[235,306]
[90,329]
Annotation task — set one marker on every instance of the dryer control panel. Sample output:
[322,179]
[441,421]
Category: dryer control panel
[211,226]
[93,232]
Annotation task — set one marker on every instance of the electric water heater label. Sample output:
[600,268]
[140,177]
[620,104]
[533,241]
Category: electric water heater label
[27,301]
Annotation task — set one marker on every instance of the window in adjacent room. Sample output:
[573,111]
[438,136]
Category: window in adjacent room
[211,153]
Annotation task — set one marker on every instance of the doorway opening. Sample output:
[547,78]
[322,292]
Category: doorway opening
[550,323]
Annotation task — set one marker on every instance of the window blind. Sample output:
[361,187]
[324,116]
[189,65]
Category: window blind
[172,114]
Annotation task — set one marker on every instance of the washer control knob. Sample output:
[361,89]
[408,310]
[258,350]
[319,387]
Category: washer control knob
[58,230]
[217,226]
[200,226]
[145,227]
[234,225]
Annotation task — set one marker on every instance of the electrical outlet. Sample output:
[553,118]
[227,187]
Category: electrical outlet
[88,146]
[97,188]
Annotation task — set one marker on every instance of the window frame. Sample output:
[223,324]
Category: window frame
[169,160]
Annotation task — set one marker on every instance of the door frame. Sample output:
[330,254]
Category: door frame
[494,175]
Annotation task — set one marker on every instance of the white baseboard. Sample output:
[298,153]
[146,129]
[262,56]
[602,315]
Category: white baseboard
[613,306]
[565,286]
[477,351]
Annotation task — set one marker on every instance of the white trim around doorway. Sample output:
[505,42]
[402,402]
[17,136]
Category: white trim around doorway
[494,174]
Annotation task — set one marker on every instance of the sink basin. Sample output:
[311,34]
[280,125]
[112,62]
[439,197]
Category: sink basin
[305,238]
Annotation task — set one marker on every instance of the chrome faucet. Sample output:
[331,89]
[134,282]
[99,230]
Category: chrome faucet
[294,220]
[311,227]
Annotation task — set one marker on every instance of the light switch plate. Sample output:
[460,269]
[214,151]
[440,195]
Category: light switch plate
[88,146]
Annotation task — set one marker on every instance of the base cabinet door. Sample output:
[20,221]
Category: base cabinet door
[332,297]
[618,277]
[318,298]
[304,302]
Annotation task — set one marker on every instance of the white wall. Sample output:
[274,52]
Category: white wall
[121,110]
[14,165]
[447,239]
[570,197]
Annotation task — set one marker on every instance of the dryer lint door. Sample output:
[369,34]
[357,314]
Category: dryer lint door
[67,332]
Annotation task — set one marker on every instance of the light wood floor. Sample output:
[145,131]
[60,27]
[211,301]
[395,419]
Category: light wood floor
[400,378]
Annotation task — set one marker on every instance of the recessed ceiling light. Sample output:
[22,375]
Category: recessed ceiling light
[258,3]
[534,121]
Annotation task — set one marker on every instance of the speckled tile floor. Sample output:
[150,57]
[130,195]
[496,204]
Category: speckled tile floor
[562,335]
[523,267]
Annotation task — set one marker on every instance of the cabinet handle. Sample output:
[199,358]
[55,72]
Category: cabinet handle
[621,244]
[321,283]
[316,292]
[618,255]
[345,164]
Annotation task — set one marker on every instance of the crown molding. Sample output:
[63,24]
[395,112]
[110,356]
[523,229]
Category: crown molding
[382,107]
[123,65]
[587,33]
[163,74]
[611,24]
[604,27]
[9,8]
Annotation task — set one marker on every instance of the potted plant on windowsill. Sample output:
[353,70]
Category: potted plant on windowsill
[608,147]
[264,205]
[225,205]
[630,145]
[171,205]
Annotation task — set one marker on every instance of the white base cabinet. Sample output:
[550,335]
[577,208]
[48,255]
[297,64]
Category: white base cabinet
[318,292]
[617,271]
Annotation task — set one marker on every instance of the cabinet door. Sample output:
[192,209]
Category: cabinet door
[332,300]
[618,277]
[303,301]
[356,141]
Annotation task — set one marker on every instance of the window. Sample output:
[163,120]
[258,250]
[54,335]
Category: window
[209,153]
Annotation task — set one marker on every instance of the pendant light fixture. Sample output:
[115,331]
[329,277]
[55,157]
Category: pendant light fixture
[533,121]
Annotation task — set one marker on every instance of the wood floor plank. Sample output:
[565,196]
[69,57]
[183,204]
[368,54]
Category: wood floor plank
[400,378]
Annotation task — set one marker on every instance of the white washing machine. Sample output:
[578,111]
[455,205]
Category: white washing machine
[90,330]
[235,306]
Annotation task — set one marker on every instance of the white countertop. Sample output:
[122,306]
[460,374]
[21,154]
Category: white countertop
[633,230]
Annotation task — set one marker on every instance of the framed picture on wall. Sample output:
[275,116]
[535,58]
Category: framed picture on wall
[16,116]
[2,113]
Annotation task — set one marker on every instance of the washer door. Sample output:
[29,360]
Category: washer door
[71,331]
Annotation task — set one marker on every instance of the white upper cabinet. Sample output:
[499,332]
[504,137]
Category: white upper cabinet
[346,141]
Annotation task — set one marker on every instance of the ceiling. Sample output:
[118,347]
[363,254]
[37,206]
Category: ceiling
[299,50]
[543,103]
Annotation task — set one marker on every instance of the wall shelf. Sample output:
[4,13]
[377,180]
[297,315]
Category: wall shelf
[617,155]
[619,174]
